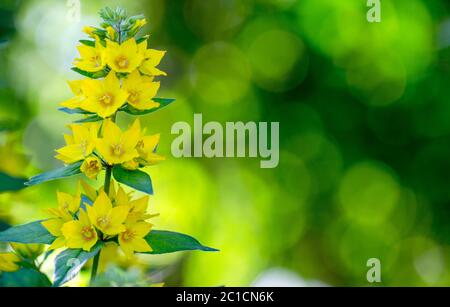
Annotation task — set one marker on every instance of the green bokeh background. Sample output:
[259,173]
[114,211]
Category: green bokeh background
[364,114]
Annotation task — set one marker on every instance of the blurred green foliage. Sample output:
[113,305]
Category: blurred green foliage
[365,131]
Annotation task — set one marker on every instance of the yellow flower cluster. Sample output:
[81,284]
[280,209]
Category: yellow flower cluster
[134,61]
[115,217]
[131,148]
[9,262]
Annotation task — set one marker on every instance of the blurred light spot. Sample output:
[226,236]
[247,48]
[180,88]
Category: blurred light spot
[430,265]
[215,19]
[278,59]
[279,4]
[322,158]
[419,263]
[184,209]
[406,211]
[379,58]
[378,83]
[368,192]
[354,244]
[280,277]
[220,74]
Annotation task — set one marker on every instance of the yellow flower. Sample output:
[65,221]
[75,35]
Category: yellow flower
[146,147]
[139,24]
[68,205]
[112,191]
[54,226]
[138,210]
[104,97]
[29,251]
[141,91]
[92,58]
[80,145]
[91,167]
[80,233]
[89,31]
[132,239]
[106,218]
[8,262]
[131,165]
[125,57]
[152,59]
[111,32]
[90,192]
[76,88]
[121,198]
[116,146]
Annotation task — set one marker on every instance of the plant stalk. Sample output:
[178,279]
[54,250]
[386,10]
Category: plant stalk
[107,179]
[94,268]
[97,257]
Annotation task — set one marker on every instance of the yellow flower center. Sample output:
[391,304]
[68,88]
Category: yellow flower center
[103,221]
[134,97]
[65,205]
[122,61]
[117,150]
[87,233]
[140,144]
[93,164]
[96,60]
[128,235]
[106,99]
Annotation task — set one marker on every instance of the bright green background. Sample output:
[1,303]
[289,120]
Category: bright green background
[364,114]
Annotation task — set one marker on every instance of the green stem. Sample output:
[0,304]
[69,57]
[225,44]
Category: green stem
[95,267]
[97,257]
[107,179]
[107,186]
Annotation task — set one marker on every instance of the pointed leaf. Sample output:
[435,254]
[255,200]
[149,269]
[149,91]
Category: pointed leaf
[87,42]
[28,234]
[25,277]
[163,242]
[62,172]
[92,75]
[136,179]
[10,183]
[74,111]
[89,119]
[69,263]
[163,102]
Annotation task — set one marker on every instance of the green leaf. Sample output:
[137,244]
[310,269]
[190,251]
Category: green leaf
[87,42]
[89,119]
[10,183]
[28,234]
[163,242]
[92,75]
[136,179]
[74,111]
[141,39]
[25,277]
[69,263]
[58,173]
[163,102]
